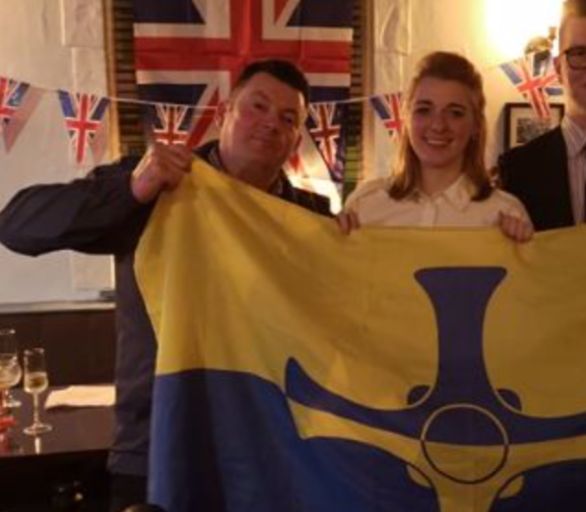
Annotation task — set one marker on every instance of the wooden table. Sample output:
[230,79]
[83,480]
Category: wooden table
[45,473]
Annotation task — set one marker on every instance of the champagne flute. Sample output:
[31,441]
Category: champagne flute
[10,370]
[35,382]
[10,374]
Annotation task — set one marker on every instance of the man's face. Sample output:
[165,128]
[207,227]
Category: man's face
[574,80]
[260,125]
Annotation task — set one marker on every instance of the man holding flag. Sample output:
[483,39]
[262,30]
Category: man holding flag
[106,213]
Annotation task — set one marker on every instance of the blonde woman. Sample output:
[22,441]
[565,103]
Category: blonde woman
[439,178]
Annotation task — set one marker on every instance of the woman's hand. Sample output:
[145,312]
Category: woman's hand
[518,230]
[347,221]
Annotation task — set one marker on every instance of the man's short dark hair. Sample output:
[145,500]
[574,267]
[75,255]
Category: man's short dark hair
[282,70]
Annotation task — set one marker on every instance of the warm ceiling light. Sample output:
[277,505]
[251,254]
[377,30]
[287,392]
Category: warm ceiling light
[512,23]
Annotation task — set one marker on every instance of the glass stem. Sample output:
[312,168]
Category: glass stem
[36,419]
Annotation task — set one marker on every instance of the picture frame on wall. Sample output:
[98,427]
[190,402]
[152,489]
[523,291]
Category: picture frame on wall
[522,124]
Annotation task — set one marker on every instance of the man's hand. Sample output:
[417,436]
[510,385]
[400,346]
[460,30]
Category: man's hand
[518,230]
[161,168]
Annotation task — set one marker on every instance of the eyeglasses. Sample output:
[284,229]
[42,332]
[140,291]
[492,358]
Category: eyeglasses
[576,57]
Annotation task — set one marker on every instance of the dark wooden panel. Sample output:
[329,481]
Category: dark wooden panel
[79,345]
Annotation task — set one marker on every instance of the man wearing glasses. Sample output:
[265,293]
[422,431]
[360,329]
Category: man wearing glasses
[549,173]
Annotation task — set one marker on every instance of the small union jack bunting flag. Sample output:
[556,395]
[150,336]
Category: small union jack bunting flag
[325,125]
[170,124]
[388,109]
[84,118]
[551,80]
[535,78]
[17,102]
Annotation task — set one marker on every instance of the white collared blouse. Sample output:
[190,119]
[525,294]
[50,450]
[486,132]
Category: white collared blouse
[452,207]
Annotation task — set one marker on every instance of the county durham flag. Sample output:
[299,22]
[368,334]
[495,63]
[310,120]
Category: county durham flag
[394,370]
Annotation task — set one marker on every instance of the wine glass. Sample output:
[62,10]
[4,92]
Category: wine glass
[35,382]
[10,370]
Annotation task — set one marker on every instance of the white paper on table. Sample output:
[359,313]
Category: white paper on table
[82,396]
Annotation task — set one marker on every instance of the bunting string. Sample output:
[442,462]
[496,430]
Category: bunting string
[85,119]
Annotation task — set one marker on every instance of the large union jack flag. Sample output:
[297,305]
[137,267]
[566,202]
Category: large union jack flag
[84,115]
[17,101]
[534,76]
[191,51]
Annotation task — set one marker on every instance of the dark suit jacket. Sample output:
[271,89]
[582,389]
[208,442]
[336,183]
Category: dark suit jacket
[537,173]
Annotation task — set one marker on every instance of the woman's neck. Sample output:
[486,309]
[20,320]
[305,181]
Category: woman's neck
[435,180]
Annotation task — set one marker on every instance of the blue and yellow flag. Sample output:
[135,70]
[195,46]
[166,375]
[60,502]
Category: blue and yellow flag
[390,370]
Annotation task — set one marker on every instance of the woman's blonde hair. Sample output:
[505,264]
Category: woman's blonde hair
[406,174]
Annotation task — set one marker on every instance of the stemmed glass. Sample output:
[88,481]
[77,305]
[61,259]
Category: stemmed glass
[10,370]
[35,382]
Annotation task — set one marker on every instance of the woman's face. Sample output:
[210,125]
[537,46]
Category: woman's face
[441,123]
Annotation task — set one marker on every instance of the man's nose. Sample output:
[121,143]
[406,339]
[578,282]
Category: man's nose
[272,119]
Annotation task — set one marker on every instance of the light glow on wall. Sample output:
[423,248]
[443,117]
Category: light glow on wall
[510,24]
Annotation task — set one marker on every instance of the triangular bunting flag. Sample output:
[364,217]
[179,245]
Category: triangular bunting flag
[326,127]
[388,109]
[17,102]
[84,118]
[169,124]
[534,76]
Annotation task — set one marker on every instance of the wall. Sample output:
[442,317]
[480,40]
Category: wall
[51,44]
